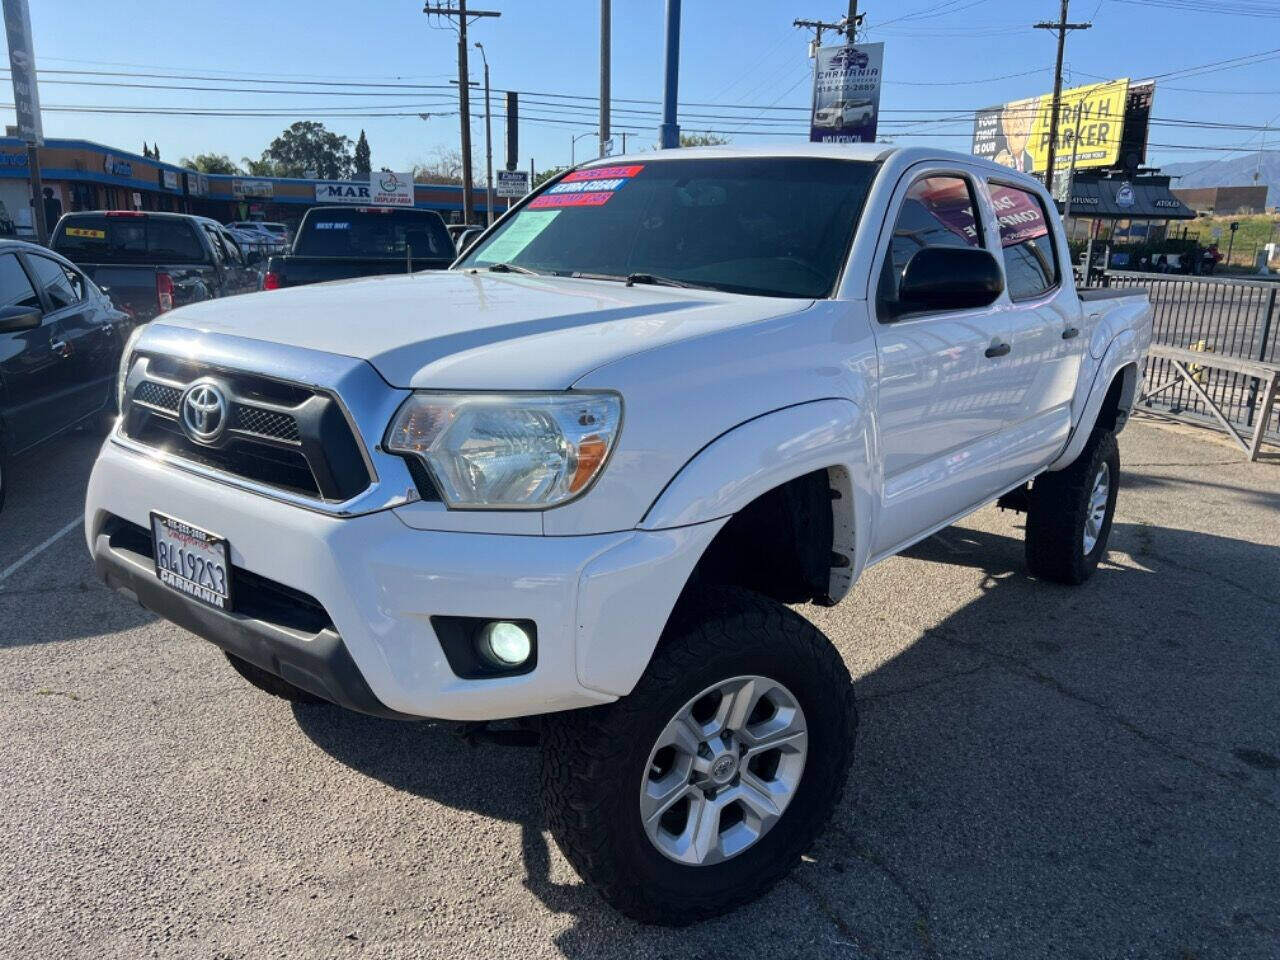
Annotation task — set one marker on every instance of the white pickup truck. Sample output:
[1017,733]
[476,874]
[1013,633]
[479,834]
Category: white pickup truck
[580,475]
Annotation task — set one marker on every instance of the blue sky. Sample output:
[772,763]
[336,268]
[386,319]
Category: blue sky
[940,54]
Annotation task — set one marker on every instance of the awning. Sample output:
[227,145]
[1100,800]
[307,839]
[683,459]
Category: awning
[1134,199]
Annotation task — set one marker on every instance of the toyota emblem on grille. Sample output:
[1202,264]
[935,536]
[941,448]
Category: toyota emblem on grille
[204,412]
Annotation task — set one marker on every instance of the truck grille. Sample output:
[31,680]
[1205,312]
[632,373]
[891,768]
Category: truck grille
[283,435]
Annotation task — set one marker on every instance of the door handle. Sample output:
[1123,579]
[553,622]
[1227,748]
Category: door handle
[1070,333]
[60,347]
[999,350]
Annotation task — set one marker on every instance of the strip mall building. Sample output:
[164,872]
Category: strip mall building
[89,176]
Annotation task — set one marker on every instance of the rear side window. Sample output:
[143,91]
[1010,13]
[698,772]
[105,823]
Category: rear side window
[103,239]
[1026,241]
[15,286]
[55,282]
[373,233]
[936,212]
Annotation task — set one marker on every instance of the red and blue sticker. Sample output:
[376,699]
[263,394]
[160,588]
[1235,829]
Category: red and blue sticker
[586,188]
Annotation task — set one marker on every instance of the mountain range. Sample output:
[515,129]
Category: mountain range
[1235,172]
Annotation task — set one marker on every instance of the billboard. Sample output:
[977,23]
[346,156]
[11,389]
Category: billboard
[1017,134]
[846,93]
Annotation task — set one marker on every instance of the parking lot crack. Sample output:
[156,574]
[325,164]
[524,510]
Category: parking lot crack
[923,684]
[1028,671]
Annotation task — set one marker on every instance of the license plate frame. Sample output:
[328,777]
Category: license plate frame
[175,542]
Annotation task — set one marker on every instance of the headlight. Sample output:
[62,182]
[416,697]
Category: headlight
[508,451]
[123,373]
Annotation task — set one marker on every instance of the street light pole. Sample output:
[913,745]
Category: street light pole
[488,143]
[669,132]
[573,146]
[605,43]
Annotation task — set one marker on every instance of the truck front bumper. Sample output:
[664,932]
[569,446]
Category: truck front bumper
[342,607]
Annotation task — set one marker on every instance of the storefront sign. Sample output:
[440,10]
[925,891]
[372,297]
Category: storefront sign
[512,183]
[846,93]
[116,167]
[170,179]
[22,67]
[252,188]
[13,159]
[391,189]
[334,192]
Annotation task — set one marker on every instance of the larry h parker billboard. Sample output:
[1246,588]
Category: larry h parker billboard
[1017,134]
[846,93]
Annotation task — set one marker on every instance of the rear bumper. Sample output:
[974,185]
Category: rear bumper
[373,584]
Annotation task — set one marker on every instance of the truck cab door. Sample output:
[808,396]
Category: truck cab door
[940,402]
[30,365]
[1046,336]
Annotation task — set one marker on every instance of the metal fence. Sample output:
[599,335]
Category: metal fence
[1234,318]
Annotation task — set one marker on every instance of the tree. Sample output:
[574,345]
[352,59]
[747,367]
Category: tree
[305,146]
[445,166]
[155,151]
[702,140]
[210,163]
[546,175]
[260,168]
[146,151]
[362,164]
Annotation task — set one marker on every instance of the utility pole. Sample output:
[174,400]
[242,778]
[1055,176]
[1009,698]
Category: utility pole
[1061,27]
[852,21]
[669,132]
[488,143]
[605,44]
[464,92]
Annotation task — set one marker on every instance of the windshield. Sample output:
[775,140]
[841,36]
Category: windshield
[373,232]
[772,226]
[100,238]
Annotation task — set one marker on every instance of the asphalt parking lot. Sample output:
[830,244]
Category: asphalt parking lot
[1042,771]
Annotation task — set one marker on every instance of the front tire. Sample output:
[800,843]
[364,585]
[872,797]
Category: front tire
[1070,512]
[701,789]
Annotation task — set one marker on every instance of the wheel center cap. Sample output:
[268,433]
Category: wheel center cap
[724,768]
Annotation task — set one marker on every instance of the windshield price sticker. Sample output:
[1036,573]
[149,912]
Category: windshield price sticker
[522,232]
[586,188]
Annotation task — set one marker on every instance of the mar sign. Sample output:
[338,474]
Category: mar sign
[846,93]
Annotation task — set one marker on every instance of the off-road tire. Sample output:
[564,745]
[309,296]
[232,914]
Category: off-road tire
[1058,508]
[270,683]
[593,760]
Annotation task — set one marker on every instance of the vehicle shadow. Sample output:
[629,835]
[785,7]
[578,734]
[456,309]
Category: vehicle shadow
[1088,771]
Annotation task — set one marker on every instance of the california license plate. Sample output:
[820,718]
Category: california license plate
[192,561]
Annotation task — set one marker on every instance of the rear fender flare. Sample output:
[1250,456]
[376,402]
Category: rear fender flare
[1124,350]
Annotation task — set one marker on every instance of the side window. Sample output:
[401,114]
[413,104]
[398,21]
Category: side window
[937,212]
[232,248]
[215,241]
[15,285]
[54,281]
[1026,241]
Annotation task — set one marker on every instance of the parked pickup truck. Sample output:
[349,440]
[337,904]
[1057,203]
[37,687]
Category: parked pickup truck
[149,263]
[580,475]
[339,243]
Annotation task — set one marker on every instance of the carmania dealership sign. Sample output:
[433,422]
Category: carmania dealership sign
[381,190]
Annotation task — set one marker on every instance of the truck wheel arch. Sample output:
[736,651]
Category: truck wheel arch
[747,495]
[1111,394]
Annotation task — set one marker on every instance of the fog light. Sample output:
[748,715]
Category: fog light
[506,644]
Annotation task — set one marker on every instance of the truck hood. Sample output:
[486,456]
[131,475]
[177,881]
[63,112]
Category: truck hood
[473,331]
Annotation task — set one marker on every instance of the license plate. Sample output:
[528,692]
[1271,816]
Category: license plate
[192,561]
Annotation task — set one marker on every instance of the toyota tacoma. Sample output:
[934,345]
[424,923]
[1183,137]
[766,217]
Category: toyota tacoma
[583,475]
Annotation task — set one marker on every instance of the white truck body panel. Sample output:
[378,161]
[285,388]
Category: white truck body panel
[725,396]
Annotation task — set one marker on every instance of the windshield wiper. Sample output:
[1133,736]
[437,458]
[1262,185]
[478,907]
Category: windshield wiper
[656,280]
[512,268]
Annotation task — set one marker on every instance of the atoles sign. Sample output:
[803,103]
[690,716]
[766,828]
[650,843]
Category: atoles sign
[1017,134]
[846,93]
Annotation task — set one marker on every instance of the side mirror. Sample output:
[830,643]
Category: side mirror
[949,278]
[17,319]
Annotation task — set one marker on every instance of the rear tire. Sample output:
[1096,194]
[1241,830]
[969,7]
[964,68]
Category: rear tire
[1070,513]
[779,724]
[270,683]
